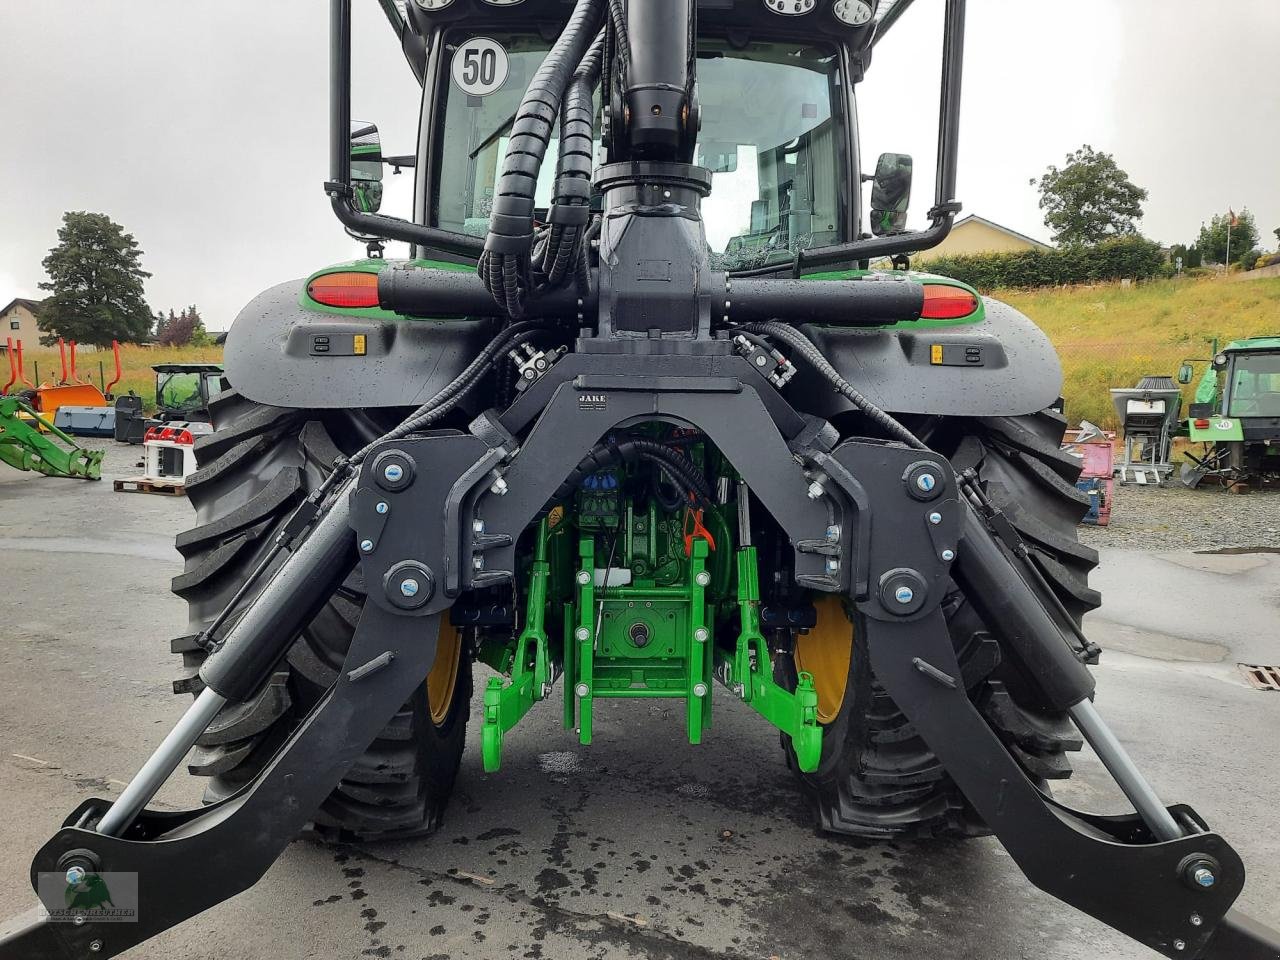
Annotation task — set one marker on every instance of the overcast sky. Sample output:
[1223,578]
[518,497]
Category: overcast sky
[202,126]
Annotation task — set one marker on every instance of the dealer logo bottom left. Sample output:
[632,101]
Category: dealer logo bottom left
[77,895]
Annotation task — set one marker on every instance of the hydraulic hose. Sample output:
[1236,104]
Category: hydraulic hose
[505,265]
[571,197]
[606,456]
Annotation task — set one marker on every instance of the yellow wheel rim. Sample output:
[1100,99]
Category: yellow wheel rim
[443,677]
[824,652]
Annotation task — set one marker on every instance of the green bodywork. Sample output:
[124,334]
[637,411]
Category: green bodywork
[1220,429]
[25,447]
[683,610]
[1226,424]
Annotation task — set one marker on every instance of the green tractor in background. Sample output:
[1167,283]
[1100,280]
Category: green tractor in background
[1236,414]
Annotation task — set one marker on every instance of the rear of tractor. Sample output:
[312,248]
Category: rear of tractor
[648,428]
[1236,415]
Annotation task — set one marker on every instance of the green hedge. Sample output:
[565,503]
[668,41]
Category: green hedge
[1121,258]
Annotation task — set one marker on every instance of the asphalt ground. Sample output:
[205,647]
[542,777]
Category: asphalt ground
[640,845]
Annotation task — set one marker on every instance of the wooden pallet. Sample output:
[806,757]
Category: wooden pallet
[148,485]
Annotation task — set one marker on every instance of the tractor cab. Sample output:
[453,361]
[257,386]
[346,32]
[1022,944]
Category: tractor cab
[1236,413]
[776,126]
[183,390]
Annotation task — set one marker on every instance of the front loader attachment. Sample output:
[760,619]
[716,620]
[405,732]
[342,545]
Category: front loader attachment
[1160,875]
[30,442]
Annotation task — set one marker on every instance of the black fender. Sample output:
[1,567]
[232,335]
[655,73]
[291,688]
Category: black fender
[1015,369]
[272,355]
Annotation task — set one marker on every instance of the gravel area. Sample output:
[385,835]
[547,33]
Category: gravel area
[1175,518]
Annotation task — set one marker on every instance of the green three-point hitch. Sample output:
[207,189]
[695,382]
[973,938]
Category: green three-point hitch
[641,613]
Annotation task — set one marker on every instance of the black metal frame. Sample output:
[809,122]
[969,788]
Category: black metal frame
[470,495]
[1159,875]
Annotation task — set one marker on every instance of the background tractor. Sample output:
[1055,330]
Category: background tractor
[635,421]
[1235,414]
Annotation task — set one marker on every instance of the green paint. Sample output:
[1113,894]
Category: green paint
[917,277]
[505,704]
[370,266]
[25,447]
[1220,429]
[747,672]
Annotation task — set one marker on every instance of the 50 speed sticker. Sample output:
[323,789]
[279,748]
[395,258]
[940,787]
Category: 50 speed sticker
[479,66]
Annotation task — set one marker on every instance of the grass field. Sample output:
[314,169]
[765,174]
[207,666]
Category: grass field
[135,365]
[1112,336]
[1107,336]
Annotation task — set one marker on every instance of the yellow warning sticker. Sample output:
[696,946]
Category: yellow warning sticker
[358,344]
[935,353]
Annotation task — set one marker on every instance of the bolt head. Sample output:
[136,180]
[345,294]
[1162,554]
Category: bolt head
[582,633]
[833,533]
[477,526]
[75,875]
[584,577]
[816,490]
[699,689]
[1179,945]
[382,506]
[1196,920]
[702,579]
[366,546]
[499,487]
[948,555]
[833,565]
[393,472]
[477,563]
[701,634]
[904,594]
[582,690]
[409,587]
[95,946]
[935,518]
[1203,877]
[926,482]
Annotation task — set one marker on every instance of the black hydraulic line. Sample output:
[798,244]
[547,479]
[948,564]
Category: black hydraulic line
[505,264]
[606,456]
[266,630]
[852,303]
[423,292]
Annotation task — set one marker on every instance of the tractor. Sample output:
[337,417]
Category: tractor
[1235,414]
[635,419]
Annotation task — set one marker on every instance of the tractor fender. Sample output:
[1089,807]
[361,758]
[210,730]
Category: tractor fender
[1002,365]
[283,354]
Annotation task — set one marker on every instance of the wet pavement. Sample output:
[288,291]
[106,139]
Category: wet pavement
[640,845]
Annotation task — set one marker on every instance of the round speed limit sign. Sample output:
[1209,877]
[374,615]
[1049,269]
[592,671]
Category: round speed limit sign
[480,66]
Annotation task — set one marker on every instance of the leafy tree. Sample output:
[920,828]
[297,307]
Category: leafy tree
[95,278]
[178,330]
[1276,231]
[1244,238]
[1190,255]
[1089,199]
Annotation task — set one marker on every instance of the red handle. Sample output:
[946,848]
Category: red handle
[13,369]
[115,349]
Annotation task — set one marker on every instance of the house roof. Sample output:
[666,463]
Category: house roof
[1003,229]
[32,305]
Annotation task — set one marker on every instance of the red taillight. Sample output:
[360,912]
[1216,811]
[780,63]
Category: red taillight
[345,289]
[184,437]
[153,433]
[1202,424]
[942,302]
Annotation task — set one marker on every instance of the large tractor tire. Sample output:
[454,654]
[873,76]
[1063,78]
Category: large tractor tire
[877,778]
[253,470]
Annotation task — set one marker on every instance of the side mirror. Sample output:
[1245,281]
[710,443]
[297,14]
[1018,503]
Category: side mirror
[890,194]
[1184,373]
[366,167]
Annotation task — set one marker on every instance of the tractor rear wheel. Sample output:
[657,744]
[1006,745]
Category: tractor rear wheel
[877,777]
[253,470]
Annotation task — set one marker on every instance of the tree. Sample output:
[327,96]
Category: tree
[178,330]
[95,279]
[1190,256]
[1244,237]
[1089,199]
